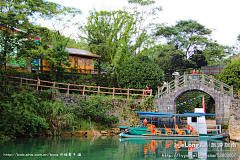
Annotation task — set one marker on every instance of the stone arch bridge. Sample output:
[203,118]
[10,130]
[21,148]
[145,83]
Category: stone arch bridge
[220,92]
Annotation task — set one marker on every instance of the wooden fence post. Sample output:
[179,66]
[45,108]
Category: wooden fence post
[54,84]
[37,83]
[113,91]
[128,94]
[83,90]
[21,82]
[143,94]
[68,88]
[98,90]
[151,92]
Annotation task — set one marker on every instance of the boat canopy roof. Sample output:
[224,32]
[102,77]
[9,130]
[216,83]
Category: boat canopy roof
[171,115]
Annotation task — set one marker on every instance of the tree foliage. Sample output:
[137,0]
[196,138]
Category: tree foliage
[192,38]
[28,114]
[108,35]
[139,72]
[186,35]
[168,58]
[231,74]
[197,60]
[16,21]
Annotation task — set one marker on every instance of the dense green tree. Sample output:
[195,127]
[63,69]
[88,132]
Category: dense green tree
[168,58]
[108,35]
[58,61]
[191,36]
[231,74]
[197,60]
[139,72]
[19,115]
[217,54]
[186,35]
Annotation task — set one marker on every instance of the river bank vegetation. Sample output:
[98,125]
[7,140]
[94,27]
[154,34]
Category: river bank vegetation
[24,112]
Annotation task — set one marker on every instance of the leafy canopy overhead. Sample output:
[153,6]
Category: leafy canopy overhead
[186,35]
[108,35]
[192,37]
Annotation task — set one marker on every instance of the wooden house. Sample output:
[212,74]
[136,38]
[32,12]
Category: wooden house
[81,60]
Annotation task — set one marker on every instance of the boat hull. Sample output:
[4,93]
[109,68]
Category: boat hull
[139,131]
[209,137]
[150,136]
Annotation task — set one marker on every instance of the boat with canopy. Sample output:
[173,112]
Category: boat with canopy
[154,125]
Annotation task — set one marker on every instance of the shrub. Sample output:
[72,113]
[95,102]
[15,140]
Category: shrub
[231,74]
[224,126]
[139,72]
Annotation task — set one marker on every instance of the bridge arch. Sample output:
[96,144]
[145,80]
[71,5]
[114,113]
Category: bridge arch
[199,96]
[166,102]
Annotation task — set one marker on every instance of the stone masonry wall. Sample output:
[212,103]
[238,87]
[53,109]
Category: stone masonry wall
[234,121]
[123,108]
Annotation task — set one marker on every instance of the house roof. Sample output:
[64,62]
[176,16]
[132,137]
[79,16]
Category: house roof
[80,52]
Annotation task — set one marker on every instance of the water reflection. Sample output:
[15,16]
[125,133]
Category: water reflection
[91,148]
[184,149]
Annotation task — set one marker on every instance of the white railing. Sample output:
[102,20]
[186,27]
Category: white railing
[218,128]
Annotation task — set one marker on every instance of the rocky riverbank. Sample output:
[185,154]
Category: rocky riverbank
[90,133]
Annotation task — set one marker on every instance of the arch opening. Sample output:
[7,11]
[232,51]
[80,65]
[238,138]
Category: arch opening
[187,101]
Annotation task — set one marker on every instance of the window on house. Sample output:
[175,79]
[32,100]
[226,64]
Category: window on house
[76,61]
[70,59]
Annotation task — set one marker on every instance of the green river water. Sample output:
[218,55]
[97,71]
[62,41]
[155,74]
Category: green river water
[104,148]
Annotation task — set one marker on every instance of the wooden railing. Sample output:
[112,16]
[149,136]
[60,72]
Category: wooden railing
[197,78]
[209,70]
[79,88]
